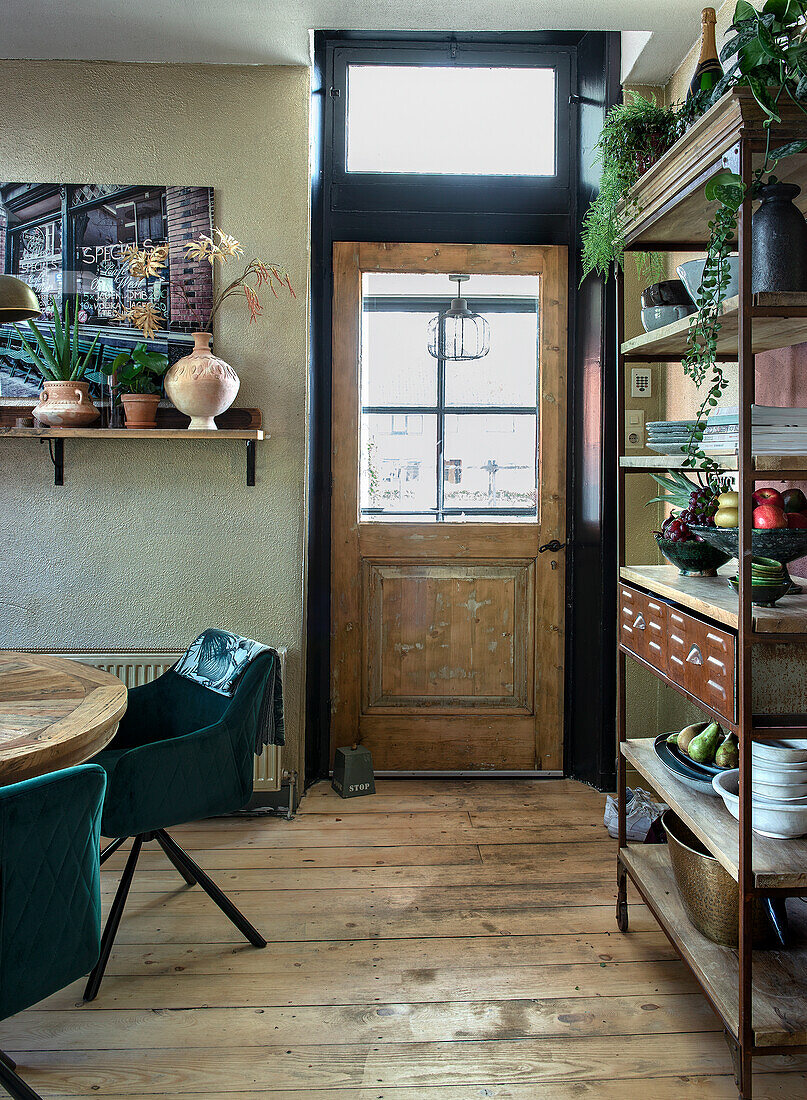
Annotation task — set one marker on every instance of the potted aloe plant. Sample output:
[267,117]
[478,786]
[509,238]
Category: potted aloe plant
[65,399]
[137,376]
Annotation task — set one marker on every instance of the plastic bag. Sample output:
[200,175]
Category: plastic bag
[642,819]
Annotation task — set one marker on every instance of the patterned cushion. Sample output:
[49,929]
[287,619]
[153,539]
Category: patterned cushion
[50,898]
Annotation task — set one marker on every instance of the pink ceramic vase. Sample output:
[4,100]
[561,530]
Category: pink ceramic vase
[201,385]
[65,405]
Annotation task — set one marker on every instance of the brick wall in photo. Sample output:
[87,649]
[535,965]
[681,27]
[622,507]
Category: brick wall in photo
[189,212]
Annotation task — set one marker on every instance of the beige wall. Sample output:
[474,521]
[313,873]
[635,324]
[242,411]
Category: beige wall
[148,543]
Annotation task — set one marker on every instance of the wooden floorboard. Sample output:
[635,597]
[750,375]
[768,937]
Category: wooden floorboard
[443,940]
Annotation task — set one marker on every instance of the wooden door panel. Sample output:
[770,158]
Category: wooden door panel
[448,637]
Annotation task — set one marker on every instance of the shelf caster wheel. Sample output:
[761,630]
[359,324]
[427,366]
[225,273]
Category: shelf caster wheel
[622,922]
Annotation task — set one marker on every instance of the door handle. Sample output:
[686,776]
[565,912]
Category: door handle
[695,657]
[639,624]
[552,547]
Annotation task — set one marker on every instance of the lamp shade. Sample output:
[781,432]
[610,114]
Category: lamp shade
[458,334]
[17,301]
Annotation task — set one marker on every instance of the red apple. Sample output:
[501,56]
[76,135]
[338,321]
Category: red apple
[797,519]
[794,500]
[766,495]
[769,516]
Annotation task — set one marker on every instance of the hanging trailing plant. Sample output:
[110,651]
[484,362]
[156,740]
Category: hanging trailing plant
[635,134]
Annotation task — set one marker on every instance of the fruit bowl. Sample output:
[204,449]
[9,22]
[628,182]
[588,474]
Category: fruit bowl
[693,558]
[783,544]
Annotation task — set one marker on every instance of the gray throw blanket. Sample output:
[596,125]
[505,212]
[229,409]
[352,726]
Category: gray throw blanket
[217,660]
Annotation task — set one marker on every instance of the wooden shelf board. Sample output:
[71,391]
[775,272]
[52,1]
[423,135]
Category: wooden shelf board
[713,598]
[777,863]
[779,1007]
[131,433]
[768,463]
[768,332]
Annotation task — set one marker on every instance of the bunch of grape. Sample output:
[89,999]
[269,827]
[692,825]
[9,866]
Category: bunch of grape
[701,509]
[675,529]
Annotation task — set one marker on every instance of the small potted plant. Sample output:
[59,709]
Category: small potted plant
[65,399]
[137,375]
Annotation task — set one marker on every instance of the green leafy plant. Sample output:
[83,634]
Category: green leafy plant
[635,134]
[63,362]
[677,488]
[135,371]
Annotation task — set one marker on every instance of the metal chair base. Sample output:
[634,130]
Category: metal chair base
[190,871]
[12,1082]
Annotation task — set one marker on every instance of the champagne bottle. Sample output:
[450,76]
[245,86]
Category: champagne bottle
[709,70]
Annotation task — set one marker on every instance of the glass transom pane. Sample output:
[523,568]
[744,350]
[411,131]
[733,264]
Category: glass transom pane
[463,120]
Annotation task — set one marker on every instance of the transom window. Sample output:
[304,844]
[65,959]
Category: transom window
[445,440]
[463,120]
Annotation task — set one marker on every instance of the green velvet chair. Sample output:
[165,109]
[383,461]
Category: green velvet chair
[50,893]
[182,752]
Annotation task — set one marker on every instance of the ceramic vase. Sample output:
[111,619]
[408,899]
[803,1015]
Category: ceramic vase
[141,409]
[65,405]
[201,385]
[778,241]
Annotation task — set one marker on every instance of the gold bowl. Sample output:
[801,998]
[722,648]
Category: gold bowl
[709,894]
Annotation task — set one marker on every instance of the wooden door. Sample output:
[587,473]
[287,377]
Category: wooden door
[447,623]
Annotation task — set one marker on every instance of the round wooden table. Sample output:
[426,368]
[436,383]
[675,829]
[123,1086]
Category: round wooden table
[54,713]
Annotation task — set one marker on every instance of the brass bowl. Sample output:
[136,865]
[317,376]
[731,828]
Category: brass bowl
[709,894]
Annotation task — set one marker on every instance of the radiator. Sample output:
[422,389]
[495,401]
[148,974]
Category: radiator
[140,667]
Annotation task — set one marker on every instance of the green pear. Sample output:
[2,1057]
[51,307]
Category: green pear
[703,747]
[687,734]
[672,739]
[728,754]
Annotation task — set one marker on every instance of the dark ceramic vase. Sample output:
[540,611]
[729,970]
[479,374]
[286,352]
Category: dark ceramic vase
[778,241]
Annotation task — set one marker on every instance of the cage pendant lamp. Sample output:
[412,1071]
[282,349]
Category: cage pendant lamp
[458,334]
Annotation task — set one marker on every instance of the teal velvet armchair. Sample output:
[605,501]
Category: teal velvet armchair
[50,895]
[182,752]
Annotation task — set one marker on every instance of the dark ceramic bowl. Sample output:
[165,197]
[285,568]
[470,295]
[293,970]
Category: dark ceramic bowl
[693,559]
[782,544]
[764,594]
[671,292]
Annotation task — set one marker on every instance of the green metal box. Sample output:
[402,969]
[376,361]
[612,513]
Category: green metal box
[353,772]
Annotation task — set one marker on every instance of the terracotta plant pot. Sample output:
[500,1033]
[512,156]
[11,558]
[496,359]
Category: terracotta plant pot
[201,385]
[65,405]
[141,409]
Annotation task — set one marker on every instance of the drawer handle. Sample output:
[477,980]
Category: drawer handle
[695,657]
[639,624]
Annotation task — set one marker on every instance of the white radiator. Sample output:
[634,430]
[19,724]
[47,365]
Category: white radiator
[140,667]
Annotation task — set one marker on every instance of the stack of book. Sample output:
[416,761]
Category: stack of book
[774,431]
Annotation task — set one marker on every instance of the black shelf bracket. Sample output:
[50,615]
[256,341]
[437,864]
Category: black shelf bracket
[250,462]
[56,449]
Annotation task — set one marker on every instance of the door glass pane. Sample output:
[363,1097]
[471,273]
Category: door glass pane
[399,462]
[508,374]
[459,120]
[403,372]
[489,461]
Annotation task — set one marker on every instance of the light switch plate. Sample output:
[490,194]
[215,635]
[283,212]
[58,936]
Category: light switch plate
[634,429]
[641,382]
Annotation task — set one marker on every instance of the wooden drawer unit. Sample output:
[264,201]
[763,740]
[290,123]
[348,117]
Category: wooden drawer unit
[643,626]
[701,659]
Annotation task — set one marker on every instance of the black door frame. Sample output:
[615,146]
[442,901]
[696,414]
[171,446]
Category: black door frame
[487,210]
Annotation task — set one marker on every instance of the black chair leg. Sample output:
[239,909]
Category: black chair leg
[12,1083]
[115,914]
[236,916]
[112,848]
[183,869]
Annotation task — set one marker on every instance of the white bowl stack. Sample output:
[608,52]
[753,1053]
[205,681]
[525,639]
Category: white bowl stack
[778,787]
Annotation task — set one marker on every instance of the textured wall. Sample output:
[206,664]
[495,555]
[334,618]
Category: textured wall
[148,543]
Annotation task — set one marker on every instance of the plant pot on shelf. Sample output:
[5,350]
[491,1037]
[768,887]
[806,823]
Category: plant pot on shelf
[140,409]
[65,405]
[778,241]
[201,385]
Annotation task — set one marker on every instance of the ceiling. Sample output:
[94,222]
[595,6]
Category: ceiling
[276,32]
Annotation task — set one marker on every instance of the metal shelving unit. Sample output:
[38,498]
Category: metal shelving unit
[760,996]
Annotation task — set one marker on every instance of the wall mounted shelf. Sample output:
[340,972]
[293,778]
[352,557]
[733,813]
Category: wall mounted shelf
[243,424]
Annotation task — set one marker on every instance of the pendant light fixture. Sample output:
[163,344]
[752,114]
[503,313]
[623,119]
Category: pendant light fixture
[459,334]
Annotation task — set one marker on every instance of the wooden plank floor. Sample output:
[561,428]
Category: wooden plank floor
[442,940]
